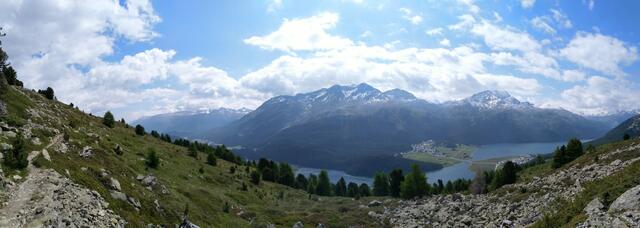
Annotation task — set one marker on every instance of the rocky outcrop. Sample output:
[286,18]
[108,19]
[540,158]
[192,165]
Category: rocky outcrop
[505,209]
[623,212]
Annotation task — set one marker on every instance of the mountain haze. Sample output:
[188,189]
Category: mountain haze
[191,124]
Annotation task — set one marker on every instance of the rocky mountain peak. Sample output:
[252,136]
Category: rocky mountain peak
[495,99]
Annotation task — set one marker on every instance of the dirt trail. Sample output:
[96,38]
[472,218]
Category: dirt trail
[47,198]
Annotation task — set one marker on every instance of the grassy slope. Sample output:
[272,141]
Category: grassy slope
[204,193]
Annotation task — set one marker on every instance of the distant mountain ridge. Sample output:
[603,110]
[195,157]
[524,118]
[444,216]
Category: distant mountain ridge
[631,127]
[341,126]
[191,124]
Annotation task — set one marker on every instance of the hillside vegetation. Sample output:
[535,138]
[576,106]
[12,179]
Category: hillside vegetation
[111,162]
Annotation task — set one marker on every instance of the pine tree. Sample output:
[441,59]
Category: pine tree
[395,179]
[559,157]
[352,190]
[364,190]
[255,177]
[193,151]
[380,184]
[211,159]
[152,161]
[140,130]
[301,182]
[626,137]
[574,149]
[341,187]
[324,185]
[108,120]
[312,183]
[510,169]
[285,175]
[155,134]
[414,184]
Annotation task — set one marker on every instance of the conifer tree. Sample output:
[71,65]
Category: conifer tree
[414,184]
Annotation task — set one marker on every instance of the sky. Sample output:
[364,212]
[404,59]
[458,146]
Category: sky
[139,57]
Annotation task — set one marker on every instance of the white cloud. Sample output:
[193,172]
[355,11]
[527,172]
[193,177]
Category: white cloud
[497,17]
[304,34]
[541,23]
[471,6]
[408,15]
[274,5]
[599,52]
[527,3]
[561,18]
[435,31]
[445,42]
[601,96]
[498,38]
[466,21]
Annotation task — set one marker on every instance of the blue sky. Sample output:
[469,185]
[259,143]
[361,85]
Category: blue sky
[139,57]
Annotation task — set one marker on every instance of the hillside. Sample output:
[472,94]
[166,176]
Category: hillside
[75,177]
[340,126]
[629,127]
[599,189]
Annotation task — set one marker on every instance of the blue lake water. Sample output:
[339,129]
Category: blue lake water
[459,170]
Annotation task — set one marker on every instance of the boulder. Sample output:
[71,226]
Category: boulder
[375,203]
[86,152]
[594,207]
[629,200]
[118,195]
[149,181]
[298,225]
[115,184]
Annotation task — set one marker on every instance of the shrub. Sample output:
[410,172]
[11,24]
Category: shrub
[211,159]
[152,161]
[16,158]
[255,177]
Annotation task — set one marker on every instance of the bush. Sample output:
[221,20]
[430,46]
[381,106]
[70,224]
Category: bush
[255,177]
[48,93]
[16,158]
[211,159]
[152,161]
[626,137]
[108,120]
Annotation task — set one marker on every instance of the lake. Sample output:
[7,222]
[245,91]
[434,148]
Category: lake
[459,170]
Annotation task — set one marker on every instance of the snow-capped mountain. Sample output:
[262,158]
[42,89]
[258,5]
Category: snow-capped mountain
[493,99]
[340,126]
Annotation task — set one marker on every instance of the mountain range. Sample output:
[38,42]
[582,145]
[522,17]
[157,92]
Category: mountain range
[630,127]
[191,124]
[359,128]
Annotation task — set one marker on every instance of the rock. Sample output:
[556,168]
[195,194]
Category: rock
[149,181]
[36,141]
[616,162]
[187,224]
[594,207]
[9,134]
[118,195]
[45,154]
[374,203]
[320,225]
[115,184]
[134,202]
[629,200]
[17,177]
[506,223]
[139,177]
[158,208]
[298,224]
[83,169]
[86,152]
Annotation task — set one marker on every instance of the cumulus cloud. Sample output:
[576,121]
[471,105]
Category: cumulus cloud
[445,42]
[302,34]
[499,38]
[434,32]
[600,52]
[542,24]
[601,96]
[471,6]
